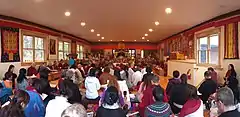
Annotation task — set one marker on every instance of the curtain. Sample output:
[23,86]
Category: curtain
[231,41]
[10,44]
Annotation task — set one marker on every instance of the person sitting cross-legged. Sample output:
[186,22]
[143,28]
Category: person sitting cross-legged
[159,108]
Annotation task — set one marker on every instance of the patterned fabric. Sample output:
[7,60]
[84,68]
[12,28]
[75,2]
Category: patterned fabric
[10,44]
[159,109]
[231,41]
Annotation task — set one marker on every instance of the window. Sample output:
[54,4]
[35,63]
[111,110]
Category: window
[63,50]
[80,51]
[208,49]
[33,49]
[142,53]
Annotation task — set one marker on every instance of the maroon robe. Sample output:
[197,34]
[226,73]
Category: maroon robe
[31,70]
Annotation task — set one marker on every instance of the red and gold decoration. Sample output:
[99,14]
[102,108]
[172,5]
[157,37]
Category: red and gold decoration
[10,44]
[231,41]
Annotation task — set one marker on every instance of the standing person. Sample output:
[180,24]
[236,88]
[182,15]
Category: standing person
[148,72]
[159,108]
[44,71]
[110,106]
[225,103]
[32,70]
[173,81]
[232,83]
[207,88]
[178,96]
[230,73]
[194,106]
[10,75]
[92,85]
[22,79]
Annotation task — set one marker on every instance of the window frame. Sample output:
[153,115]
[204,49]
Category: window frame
[208,34]
[34,35]
[79,52]
[63,50]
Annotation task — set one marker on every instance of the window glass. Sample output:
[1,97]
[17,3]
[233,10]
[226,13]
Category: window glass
[39,55]
[27,42]
[214,49]
[27,55]
[38,43]
[60,46]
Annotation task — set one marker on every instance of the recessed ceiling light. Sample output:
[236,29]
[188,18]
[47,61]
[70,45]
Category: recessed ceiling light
[150,30]
[92,30]
[146,34]
[122,40]
[83,23]
[143,37]
[102,37]
[168,10]
[156,23]
[99,40]
[98,35]
[110,40]
[135,40]
[147,40]
[67,13]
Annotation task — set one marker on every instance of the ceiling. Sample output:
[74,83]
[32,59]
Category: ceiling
[118,20]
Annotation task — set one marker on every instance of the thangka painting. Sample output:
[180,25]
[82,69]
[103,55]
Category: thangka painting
[231,41]
[10,44]
[53,47]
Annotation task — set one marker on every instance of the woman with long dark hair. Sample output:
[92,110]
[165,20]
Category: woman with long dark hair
[9,75]
[231,72]
[22,79]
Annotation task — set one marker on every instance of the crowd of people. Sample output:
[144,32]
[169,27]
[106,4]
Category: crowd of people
[109,89]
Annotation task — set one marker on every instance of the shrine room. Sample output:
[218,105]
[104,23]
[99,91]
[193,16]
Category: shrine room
[126,58]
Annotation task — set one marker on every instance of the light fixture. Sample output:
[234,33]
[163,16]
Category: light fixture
[83,23]
[99,40]
[102,37]
[98,35]
[150,30]
[122,40]
[143,37]
[67,13]
[135,40]
[146,34]
[147,40]
[156,23]
[92,30]
[168,10]
[110,40]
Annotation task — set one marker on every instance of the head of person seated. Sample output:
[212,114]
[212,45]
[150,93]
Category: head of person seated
[224,99]
[106,70]
[111,96]
[73,66]
[155,80]
[33,64]
[92,72]
[113,82]
[210,69]
[117,74]
[11,68]
[176,74]
[207,75]
[192,92]
[149,70]
[41,86]
[21,98]
[184,78]
[12,110]
[75,110]
[69,74]
[22,75]
[158,94]
[70,90]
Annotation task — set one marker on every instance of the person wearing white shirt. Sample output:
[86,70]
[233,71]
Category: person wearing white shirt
[136,77]
[92,85]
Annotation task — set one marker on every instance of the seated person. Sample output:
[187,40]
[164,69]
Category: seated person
[12,110]
[105,76]
[173,81]
[10,76]
[30,102]
[159,108]
[22,82]
[5,94]
[75,110]
[44,71]
[110,106]
[225,103]
[208,87]
[32,70]
[92,85]
[194,106]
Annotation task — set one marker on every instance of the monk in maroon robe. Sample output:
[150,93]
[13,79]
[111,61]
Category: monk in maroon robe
[32,70]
